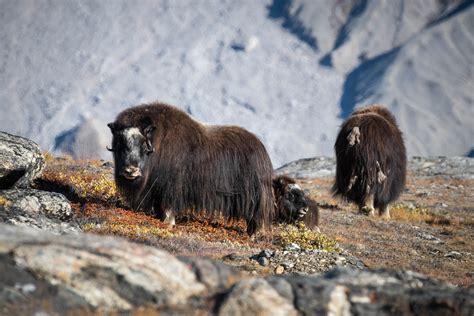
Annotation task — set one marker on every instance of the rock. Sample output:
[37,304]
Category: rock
[215,275]
[91,272]
[279,270]
[454,255]
[453,167]
[292,247]
[256,297]
[263,261]
[345,291]
[21,161]
[44,210]
[427,236]
[233,257]
[267,253]
[44,274]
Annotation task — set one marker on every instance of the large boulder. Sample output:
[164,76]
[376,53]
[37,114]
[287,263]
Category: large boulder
[49,273]
[40,209]
[84,274]
[21,161]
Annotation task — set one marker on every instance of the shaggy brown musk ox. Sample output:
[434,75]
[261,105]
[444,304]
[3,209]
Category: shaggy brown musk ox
[292,204]
[166,163]
[371,160]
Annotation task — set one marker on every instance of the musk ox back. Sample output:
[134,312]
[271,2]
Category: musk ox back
[292,204]
[371,160]
[167,163]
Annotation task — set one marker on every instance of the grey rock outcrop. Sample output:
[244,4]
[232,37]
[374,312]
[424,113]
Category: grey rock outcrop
[43,273]
[89,272]
[452,167]
[21,161]
[44,210]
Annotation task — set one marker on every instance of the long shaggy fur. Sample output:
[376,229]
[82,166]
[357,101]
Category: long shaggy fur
[371,158]
[215,169]
[292,204]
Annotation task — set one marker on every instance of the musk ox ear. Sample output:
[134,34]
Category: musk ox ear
[148,133]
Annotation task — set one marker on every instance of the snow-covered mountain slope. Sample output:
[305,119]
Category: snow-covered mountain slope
[225,62]
[68,67]
[429,86]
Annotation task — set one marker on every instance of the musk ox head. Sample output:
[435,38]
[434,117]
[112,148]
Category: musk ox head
[131,147]
[292,204]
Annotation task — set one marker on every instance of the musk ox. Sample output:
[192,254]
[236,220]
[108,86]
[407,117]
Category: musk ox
[167,163]
[371,160]
[292,204]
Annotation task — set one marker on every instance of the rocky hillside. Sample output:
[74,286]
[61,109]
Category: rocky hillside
[287,70]
[351,265]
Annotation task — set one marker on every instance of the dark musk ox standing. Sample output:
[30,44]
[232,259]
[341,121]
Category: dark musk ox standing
[371,160]
[167,163]
[292,204]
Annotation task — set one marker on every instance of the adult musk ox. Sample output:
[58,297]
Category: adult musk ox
[371,160]
[167,163]
[292,204]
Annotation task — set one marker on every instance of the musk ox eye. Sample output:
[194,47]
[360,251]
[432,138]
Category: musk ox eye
[289,196]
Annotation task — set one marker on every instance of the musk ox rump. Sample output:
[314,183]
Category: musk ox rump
[371,160]
[167,163]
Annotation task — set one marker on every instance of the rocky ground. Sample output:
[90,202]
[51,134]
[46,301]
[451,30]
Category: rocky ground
[353,264]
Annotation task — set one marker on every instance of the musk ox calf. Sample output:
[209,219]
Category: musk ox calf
[167,163]
[371,160]
[292,204]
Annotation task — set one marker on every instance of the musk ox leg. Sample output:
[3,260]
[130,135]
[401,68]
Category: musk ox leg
[169,218]
[384,211]
[251,227]
[367,207]
[166,216]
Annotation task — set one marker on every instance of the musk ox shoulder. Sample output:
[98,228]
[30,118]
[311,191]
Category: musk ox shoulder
[371,160]
[167,163]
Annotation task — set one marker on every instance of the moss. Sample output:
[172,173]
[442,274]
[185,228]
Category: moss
[4,201]
[306,238]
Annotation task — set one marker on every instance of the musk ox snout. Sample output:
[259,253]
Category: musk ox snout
[131,172]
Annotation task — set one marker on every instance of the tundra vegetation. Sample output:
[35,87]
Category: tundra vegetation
[430,230]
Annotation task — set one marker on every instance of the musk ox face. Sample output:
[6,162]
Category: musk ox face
[290,200]
[131,148]
[294,202]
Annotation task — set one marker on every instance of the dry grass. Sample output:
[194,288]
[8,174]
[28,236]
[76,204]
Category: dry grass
[413,214]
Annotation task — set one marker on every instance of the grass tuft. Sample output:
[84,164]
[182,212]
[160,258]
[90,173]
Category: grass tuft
[306,238]
[412,213]
[4,201]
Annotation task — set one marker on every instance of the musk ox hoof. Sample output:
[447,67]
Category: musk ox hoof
[367,210]
[384,212]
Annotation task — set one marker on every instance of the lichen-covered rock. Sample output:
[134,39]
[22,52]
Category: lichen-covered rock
[256,297]
[452,167]
[21,161]
[95,272]
[40,209]
[345,291]
[86,274]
